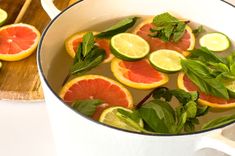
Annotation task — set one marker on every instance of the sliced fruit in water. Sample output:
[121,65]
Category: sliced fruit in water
[71,45]
[138,74]
[187,42]
[215,41]
[18,41]
[186,84]
[127,46]
[110,117]
[3,16]
[97,87]
[165,60]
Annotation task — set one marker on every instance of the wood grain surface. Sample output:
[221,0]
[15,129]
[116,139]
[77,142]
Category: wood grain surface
[20,80]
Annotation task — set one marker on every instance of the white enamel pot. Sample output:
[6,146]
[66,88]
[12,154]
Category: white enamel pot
[76,135]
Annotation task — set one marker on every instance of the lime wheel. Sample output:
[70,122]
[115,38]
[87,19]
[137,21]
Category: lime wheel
[138,74]
[97,87]
[186,84]
[18,41]
[187,42]
[71,45]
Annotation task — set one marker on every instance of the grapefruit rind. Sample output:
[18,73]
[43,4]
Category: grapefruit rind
[69,44]
[192,37]
[25,53]
[180,84]
[69,84]
[117,72]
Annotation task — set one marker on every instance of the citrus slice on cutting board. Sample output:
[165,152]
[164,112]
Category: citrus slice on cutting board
[97,87]
[138,74]
[187,42]
[71,45]
[18,41]
[209,100]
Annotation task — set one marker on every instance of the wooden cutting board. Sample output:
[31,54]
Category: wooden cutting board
[20,80]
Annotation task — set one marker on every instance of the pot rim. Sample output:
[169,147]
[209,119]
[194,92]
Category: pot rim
[87,118]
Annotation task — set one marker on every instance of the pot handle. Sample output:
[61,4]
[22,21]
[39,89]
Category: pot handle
[50,8]
[217,141]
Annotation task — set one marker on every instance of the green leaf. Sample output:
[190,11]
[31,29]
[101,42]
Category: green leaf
[232,69]
[179,31]
[158,115]
[162,92]
[219,122]
[191,109]
[86,107]
[168,28]
[202,110]
[132,115]
[117,28]
[88,42]
[94,58]
[205,55]
[184,97]
[198,73]
[78,56]
[181,121]
[198,30]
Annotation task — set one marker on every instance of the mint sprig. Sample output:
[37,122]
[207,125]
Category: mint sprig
[168,28]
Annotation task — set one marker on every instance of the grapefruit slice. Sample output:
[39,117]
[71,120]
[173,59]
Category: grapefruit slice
[187,42]
[97,87]
[138,74]
[186,84]
[18,41]
[71,45]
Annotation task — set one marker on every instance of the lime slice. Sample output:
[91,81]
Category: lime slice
[129,47]
[112,117]
[230,85]
[167,61]
[3,16]
[215,41]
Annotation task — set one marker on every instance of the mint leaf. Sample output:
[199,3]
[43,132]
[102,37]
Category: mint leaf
[117,28]
[88,42]
[168,28]
[86,107]
[219,122]
[191,109]
[198,30]
[159,116]
[205,55]
[199,74]
[87,56]
[93,59]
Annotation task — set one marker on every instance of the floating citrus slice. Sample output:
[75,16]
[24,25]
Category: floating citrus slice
[187,42]
[216,41]
[167,61]
[97,87]
[110,117]
[127,46]
[71,45]
[186,84]
[18,41]
[138,74]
